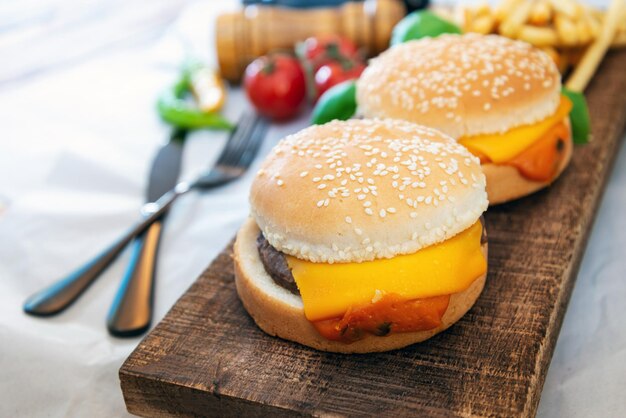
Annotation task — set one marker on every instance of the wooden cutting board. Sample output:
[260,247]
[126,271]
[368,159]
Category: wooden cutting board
[207,357]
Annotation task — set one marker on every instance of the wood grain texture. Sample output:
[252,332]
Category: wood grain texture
[207,357]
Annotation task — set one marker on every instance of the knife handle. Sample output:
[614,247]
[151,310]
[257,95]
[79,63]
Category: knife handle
[62,293]
[131,312]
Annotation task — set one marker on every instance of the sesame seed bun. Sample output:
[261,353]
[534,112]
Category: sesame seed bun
[358,190]
[279,312]
[462,85]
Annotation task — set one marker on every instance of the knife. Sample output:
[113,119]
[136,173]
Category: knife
[131,311]
[61,294]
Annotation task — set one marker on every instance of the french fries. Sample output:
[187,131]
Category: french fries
[539,36]
[594,54]
[514,20]
[484,24]
[564,28]
[566,8]
[540,14]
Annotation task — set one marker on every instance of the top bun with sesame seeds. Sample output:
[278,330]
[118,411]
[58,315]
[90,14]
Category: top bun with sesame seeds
[462,85]
[359,190]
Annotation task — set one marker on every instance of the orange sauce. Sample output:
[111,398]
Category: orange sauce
[540,162]
[390,314]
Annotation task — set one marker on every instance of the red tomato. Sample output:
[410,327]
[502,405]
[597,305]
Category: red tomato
[322,49]
[276,85]
[334,73]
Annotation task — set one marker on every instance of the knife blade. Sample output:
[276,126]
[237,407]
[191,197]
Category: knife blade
[131,311]
[166,166]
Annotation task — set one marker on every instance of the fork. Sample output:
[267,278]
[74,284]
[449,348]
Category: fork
[234,160]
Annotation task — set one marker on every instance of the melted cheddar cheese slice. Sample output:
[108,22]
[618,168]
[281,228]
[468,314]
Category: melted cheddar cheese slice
[501,148]
[329,290]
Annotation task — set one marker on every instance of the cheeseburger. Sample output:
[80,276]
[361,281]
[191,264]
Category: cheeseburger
[498,97]
[364,236]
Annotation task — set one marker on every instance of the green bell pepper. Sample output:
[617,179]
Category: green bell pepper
[421,24]
[175,110]
[578,116]
[338,102]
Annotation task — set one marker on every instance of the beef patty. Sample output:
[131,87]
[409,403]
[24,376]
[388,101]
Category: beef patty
[276,265]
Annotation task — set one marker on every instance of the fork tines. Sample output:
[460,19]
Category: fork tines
[243,143]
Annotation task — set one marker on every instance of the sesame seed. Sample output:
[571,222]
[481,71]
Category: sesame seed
[415,150]
[451,68]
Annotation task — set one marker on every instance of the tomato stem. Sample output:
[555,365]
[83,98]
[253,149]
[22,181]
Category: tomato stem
[269,67]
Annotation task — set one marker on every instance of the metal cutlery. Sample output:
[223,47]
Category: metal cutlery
[131,311]
[236,157]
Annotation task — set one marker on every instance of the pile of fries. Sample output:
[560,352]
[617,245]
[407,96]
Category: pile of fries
[563,28]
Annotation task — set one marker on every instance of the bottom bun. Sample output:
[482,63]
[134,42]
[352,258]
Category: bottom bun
[279,312]
[505,183]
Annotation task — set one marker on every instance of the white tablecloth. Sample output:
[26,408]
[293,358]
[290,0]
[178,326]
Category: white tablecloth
[75,150]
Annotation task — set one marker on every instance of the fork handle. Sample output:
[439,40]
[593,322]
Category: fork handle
[131,311]
[61,294]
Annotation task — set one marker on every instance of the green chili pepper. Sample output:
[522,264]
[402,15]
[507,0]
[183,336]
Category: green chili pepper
[421,24]
[578,116]
[338,102]
[174,109]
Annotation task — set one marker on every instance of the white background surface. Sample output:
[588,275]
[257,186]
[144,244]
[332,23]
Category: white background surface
[75,150]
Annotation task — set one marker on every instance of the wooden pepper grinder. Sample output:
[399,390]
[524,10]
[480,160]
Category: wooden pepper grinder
[256,30]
